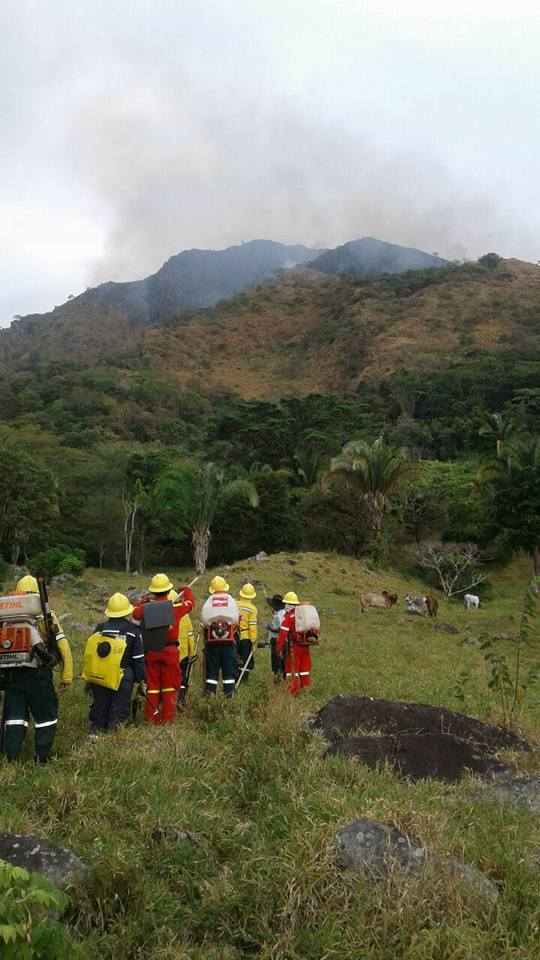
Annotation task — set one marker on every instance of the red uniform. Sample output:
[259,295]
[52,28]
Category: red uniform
[298,657]
[163,674]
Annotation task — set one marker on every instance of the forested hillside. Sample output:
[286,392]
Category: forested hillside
[105,422]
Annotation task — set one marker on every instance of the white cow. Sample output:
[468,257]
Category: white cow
[471,600]
[416,604]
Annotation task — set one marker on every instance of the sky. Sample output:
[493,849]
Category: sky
[133,129]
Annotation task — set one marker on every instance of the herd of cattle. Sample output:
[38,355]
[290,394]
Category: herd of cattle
[419,605]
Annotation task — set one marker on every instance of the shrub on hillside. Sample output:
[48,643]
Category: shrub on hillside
[490,260]
[60,559]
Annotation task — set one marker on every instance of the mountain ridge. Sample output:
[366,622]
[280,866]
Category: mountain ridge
[369,257]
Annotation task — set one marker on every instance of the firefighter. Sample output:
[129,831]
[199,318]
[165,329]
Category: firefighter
[274,626]
[110,708]
[247,630]
[295,646]
[30,690]
[163,675]
[220,648]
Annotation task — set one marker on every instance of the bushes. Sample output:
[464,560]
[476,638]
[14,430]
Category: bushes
[27,930]
[60,559]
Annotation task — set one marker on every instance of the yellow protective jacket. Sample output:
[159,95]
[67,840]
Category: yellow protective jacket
[248,620]
[186,638]
[66,674]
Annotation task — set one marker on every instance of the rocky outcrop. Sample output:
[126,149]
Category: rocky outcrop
[58,864]
[376,851]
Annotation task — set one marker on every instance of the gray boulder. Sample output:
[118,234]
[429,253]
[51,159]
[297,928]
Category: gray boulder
[58,864]
[376,850]
[516,791]
[261,557]
[445,628]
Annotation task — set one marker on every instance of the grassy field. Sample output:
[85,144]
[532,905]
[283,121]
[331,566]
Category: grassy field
[251,783]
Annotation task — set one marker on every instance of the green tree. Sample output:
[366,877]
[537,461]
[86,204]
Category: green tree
[213,492]
[516,504]
[377,471]
[28,500]
[505,430]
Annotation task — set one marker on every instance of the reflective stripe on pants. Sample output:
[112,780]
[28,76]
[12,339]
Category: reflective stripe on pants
[300,660]
[163,680]
[220,657]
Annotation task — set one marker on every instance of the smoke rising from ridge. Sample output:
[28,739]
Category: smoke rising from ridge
[137,130]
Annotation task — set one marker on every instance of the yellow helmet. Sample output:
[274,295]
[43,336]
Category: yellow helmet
[248,591]
[118,606]
[160,584]
[218,585]
[291,597]
[27,584]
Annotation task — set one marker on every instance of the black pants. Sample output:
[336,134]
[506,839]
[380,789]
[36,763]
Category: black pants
[244,649]
[220,656]
[110,708]
[184,664]
[29,691]
[278,663]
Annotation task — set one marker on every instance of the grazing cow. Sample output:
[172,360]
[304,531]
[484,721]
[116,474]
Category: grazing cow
[383,599]
[432,605]
[471,600]
[422,605]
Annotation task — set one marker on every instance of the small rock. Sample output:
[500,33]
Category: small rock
[469,640]
[516,791]
[534,860]
[174,834]
[445,628]
[60,865]
[300,576]
[504,636]
[261,557]
[292,562]
[375,850]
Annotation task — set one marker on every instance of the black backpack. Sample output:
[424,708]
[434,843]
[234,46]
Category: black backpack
[158,616]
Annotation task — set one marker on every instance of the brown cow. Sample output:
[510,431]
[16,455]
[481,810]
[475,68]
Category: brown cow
[432,605]
[383,599]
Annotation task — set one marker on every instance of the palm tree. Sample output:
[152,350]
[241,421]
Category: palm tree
[376,471]
[506,430]
[212,494]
